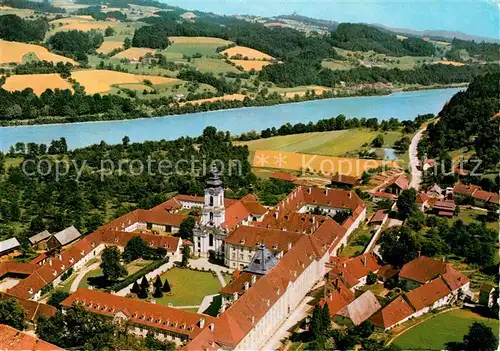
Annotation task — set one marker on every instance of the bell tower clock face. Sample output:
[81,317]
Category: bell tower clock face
[211,191]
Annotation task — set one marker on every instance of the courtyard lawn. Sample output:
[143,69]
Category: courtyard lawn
[189,287]
[66,285]
[435,332]
[132,267]
[335,143]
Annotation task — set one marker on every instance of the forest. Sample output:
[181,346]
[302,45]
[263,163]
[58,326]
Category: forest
[155,37]
[481,51]
[304,73]
[75,43]
[14,28]
[467,121]
[98,15]
[42,6]
[361,37]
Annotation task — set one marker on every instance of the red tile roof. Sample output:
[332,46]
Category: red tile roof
[235,214]
[448,205]
[397,310]
[422,198]
[238,285]
[401,181]
[425,295]
[482,195]
[494,199]
[353,269]
[32,309]
[387,271]
[385,195]
[275,240]
[379,216]
[344,179]
[291,221]
[465,189]
[13,339]
[283,176]
[140,312]
[338,297]
[422,269]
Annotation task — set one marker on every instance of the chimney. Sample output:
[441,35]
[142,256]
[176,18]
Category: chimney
[202,323]
[246,286]
[254,279]
[363,259]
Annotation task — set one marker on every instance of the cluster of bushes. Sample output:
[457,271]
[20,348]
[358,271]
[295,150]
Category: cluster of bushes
[95,12]
[140,273]
[42,67]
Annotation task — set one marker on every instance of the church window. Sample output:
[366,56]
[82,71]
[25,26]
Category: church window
[211,240]
[211,215]
[211,200]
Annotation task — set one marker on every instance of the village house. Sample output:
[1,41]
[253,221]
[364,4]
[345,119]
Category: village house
[461,191]
[355,270]
[422,202]
[8,246]
[39,240]
[359,310]
[344,181]
[435,192]
[399,184]
[445,208]
[481,198]
[379,218]
[63,238]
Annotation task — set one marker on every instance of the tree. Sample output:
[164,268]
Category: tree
[11,313]
[326,320]
[154,344]
[186,254]
[111,265]
[135,248]
[127,43]
[399,245]
[407,203]
[125,140]
[186,228]
[158,283]
[479,338]
[157,293]
[316,326]
[135,288]
[166,286]
[371,278]
[57,297]
[143,292]
[144,282]
[378,141]
[109,32]
[77,328]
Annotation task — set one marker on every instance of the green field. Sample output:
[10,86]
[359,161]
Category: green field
[435,332]
[189,49]
[334,143]
[189,287]
[212,65]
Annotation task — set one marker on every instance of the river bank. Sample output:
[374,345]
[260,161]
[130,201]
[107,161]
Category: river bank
[191,107]
[401,105]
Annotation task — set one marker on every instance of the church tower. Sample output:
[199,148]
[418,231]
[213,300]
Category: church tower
[209,234]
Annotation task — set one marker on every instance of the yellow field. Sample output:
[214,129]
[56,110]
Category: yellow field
[109,46]
[100,81]
[452,63]
[80,23]
[133,53]
[38,82]
[317,89]
[401,37]
[251,64]
[13,52]
[238,97]
[198,40]
[322,165]
[246,52]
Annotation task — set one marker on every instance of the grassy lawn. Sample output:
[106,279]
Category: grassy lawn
[214,66]
[435,332]
[471,215]
[189,49]
[354,247]
[189,287]
[335,143]
[66,285]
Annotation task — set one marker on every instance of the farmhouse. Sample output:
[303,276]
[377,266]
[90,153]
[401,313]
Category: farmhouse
[63,238]
[358,310]
[353,271]
[8,246]
[399,184]
[488,295]
[39,238]
[445,208]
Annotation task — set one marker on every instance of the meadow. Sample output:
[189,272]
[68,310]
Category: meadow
[15,52]
[434,333]
[246,52]
[334,143]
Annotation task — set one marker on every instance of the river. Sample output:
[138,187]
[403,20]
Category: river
[401,105]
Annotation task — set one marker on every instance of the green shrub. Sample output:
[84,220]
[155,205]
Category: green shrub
[140,273]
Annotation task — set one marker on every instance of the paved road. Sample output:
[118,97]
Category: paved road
[80,276]
[416,174]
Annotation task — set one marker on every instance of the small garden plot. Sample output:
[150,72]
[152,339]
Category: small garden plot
[96,279]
